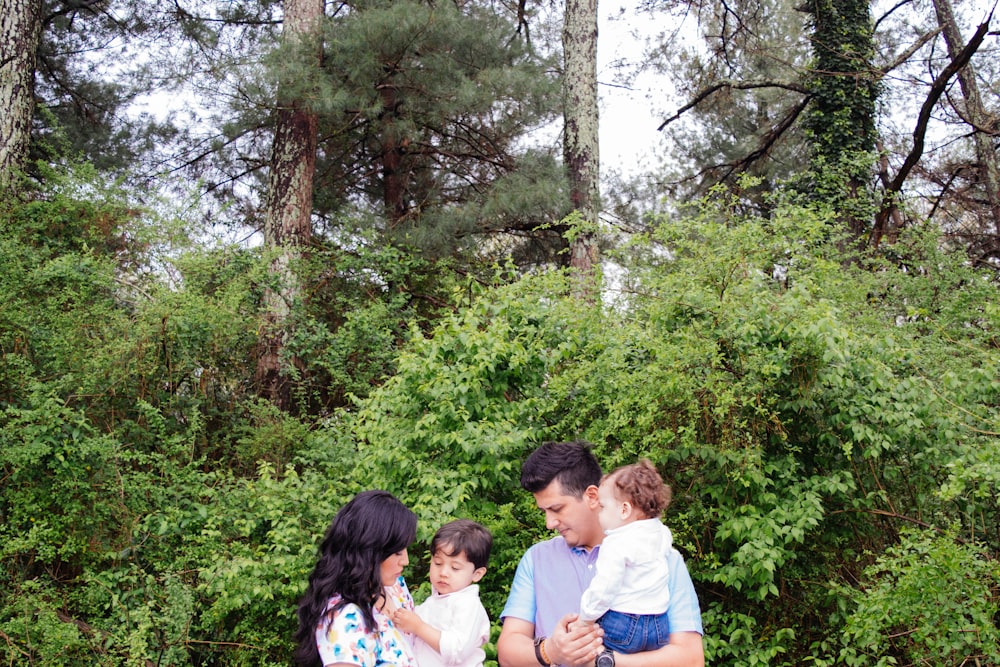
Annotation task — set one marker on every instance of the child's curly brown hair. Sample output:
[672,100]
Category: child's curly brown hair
[641,485]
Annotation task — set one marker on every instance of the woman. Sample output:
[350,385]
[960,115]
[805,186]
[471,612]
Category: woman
[344,616]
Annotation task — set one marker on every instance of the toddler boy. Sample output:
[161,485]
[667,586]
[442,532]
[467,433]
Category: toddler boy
[451,626]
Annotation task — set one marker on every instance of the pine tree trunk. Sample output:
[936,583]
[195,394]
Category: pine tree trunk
[393,178]
[20,30]
[287,222]
[974,111]
[580,148]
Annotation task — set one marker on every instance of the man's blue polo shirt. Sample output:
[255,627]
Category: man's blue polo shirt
[552,576]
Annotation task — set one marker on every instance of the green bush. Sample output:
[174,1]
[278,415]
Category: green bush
[806,410]
[930,599]
[800,424]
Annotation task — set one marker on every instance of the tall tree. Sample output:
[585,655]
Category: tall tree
[938,87]
[20,28]
[841,119]
[580,148]
[768,102]
[425,107]
[975,114]
[94,59]
[748,93]
[288,220]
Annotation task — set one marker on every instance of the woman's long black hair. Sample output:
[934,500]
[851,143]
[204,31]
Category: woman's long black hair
[367,530]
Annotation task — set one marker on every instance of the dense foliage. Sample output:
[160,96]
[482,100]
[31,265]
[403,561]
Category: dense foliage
[828,413]
[829,426]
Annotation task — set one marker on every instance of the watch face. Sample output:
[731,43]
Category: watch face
[605,660]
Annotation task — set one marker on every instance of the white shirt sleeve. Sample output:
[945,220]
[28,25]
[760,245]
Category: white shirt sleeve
[611,562]
[467,634]
[464,627]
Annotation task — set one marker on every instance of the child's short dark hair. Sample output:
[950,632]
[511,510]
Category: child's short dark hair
[464,536]
[641,485]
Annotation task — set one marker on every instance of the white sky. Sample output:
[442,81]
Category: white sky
[628,135]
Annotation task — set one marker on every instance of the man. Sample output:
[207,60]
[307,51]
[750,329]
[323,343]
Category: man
[552,575]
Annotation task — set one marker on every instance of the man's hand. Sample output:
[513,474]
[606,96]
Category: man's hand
[574,642]
[564,647]
[579,624]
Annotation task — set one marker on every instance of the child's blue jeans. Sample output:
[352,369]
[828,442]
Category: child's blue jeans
[632,633]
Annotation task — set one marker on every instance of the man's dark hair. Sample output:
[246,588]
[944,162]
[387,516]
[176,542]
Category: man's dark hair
[571,463]
[464,536]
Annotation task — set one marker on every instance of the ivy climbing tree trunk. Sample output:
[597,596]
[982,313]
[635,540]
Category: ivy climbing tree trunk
[975,113]
[287,222]
[580,148]
[20,30]
[841,120]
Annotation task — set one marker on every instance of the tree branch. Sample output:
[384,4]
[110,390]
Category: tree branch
[767,141]
[908,53]
[891,11]
[937,89]
[919,133]
[708,91]
[775,133]
[901,517]
[13,645]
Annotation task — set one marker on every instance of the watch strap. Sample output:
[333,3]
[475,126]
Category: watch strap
[539,656]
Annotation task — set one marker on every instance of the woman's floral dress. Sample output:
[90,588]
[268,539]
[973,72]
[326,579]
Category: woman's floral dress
[345,640]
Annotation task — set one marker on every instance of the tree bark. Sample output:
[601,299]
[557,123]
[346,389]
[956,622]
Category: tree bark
[975,113]
[20,30]
[287,222]
[393,177]
[891,224]
[580,148]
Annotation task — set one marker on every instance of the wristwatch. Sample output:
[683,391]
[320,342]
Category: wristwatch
[605,659]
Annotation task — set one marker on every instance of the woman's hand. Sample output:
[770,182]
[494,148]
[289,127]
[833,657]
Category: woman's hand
[574,643]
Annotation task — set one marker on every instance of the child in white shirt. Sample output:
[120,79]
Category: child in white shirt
[451,626]
[629,595]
